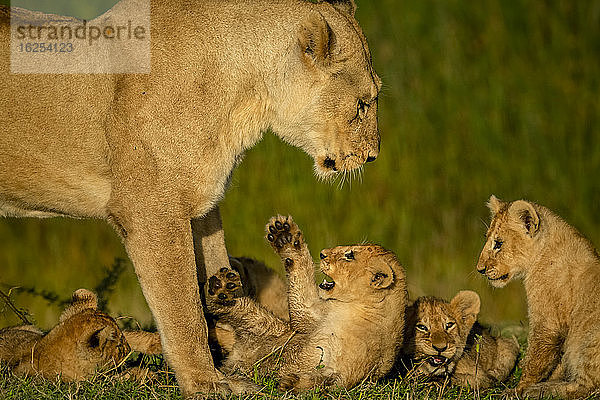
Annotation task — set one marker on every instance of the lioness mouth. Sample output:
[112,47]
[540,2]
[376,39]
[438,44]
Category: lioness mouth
[436,361]
[325,285]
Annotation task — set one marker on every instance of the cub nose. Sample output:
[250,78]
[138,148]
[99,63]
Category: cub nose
[482,271]
[371,158]
[321,255]
[439,347]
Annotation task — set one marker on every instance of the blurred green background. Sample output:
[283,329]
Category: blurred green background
[495,96]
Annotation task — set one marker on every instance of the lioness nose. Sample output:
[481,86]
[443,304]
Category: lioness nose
[482,271]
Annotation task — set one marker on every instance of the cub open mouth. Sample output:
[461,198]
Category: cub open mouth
[436,361]
[326,285]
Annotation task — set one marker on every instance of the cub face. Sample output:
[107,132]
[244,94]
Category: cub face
[510,241]
[329,106]
[360,273]
[85,340]
[438,331]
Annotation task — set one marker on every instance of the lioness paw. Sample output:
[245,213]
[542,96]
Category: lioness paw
[285,237]
[224,287]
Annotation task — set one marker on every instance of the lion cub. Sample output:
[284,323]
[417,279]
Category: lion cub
[339,334]
[561,274]
[84,341]
[443,339]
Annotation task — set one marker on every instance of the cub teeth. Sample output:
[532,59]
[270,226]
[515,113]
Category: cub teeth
[326,285]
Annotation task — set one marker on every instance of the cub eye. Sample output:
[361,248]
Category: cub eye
[498,244]
[422,327]
[361,109]
[349,255]
[449,325]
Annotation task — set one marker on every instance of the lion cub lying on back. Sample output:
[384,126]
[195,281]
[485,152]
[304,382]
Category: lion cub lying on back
[349,329]
[443,339]
[84,341]
[561,274]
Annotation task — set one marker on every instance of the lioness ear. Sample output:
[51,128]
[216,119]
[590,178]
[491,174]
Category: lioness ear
[466,303]
[80,300]
[495,204]
[316,40]
[346,6]
[527,216]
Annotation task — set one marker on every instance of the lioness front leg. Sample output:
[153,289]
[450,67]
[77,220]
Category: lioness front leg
[251,321]
[288,242]
[162,253]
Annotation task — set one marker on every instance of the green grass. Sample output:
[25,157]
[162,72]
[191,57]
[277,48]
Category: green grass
[163,386]
[479,97]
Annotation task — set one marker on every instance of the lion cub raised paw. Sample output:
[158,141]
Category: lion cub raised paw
[444,340]
[338,333]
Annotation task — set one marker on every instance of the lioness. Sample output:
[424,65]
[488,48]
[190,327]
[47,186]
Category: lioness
[561,273]
[349,329]
[443,339]
[151,152]
[84,341]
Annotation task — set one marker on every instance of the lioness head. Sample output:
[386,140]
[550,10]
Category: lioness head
[438,331]
[511,240]
[328,102]
[357,273]
[85,340]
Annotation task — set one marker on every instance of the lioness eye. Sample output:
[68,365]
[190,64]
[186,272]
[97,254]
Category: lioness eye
[349,255]
[497,244]
[421,327]
[361,108]
[449,325]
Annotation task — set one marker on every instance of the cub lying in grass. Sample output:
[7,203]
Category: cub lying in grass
[84,341]
[444,340]
[349,329]
[561,273]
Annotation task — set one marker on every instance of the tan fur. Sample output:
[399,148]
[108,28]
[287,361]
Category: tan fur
[259,282]
[150,152]
[85,340]
[443,339]
[561,273]
[347,330]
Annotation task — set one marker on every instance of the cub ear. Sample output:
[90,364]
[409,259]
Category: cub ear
[382,275]
[316,40]
[346,6]
[466,303]
[80,300]
[526,215]
[495,204]
[103,335]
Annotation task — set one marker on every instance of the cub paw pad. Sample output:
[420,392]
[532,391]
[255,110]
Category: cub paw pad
[224,286]
[284,233]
